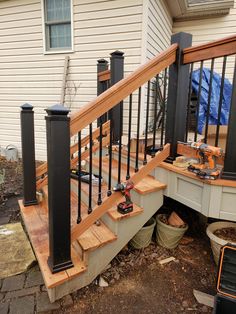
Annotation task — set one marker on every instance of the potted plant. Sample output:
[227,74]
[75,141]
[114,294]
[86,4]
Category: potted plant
[220,233]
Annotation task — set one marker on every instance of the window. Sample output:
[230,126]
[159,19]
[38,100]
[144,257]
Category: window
[57,25]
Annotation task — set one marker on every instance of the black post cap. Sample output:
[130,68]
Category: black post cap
[102,61]
[27,107]
[57,110]
[117,53]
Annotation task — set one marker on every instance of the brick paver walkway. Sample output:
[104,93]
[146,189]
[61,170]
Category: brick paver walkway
[26,294]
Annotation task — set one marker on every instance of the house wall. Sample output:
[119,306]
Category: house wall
[206,30]
[27,75]
[158,31]
[159,28]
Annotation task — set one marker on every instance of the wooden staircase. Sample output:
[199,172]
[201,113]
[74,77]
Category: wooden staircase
[99,244]
[72,252]
[90,246]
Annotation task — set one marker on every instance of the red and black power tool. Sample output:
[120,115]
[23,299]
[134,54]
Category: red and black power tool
[127,206]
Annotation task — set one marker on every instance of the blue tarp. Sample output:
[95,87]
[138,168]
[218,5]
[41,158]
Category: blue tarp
[215,97]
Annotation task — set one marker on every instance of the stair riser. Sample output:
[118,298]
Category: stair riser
[84,195]
[124,159]
[101,257]
[147,202]
[105,175]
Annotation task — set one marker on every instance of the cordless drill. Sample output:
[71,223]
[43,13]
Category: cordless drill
[206,168]
[125,188]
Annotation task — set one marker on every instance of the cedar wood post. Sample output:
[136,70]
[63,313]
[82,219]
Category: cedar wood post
[177,96]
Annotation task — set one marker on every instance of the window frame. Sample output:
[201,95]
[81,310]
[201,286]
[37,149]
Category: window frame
[46,36]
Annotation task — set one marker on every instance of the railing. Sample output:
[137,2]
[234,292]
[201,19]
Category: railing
[129,91]
[208,62]
[153,105]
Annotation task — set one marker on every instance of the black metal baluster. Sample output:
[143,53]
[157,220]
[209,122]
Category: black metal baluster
[221,99]
[120,142]
[198,100]
[99,202]
[138,126]
[90,167]
[146,132]
[79,178]
[110,161]
[163,110]
[155,117]
[189,101]
[209,100]
[129,137]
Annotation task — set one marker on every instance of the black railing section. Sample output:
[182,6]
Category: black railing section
[79,178]
[138,130]
[148,103]
[129,137]
[99,201]
[204,121]
[90,168]
[146,127]
[221,100]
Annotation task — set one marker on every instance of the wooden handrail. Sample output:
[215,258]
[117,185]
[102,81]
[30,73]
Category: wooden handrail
[104,76]
[214,49]
[42,169]
[85,140]
[115,94]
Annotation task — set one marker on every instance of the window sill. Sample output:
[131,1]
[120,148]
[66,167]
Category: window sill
[52,52]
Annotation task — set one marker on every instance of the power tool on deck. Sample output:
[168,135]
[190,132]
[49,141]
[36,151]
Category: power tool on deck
[207,155]
[125,188]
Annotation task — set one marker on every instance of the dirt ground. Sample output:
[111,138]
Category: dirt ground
[137,283]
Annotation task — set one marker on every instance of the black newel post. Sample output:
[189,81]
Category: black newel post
[117,74]
[28,155]
[58,153]
[229,171]
[177,96]
[102,65]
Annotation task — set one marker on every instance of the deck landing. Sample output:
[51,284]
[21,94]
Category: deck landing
[36,221]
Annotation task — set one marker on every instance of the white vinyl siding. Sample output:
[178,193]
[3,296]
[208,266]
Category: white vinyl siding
[159,28]
[158,37]
[27,75]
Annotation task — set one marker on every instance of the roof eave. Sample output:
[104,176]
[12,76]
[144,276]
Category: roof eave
[181,10]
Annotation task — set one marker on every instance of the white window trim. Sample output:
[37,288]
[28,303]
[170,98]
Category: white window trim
[59,51]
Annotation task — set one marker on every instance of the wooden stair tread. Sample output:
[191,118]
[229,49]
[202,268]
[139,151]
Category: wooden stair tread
[147,185]
[38,232]
[115,215]
[96,236]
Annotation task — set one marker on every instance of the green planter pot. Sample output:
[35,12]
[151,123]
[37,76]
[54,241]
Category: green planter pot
[168,236]
[144,236]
